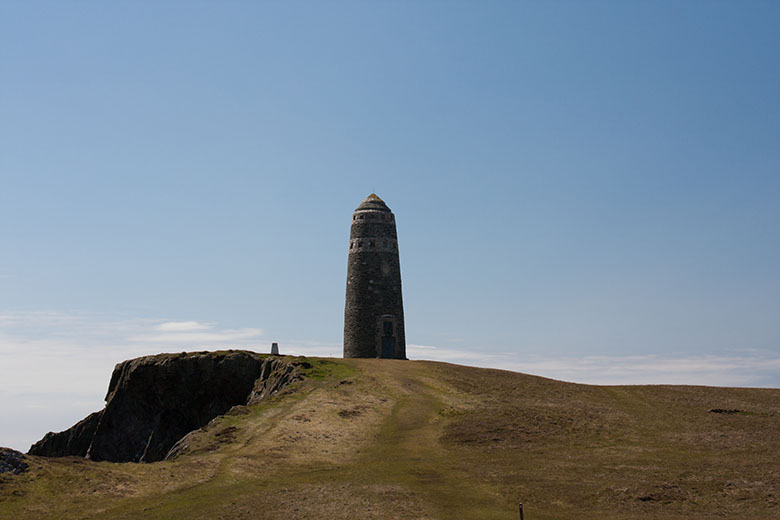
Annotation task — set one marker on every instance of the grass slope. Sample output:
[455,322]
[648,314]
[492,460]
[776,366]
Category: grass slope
[387,439]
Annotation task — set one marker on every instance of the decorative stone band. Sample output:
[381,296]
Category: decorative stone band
[373,244]
[372,215]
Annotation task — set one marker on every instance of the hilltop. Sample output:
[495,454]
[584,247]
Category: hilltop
[392,439]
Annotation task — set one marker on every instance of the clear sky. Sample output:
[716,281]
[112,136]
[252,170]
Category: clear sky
[588,191]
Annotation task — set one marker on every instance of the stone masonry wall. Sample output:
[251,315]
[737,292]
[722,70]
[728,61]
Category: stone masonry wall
[373,282]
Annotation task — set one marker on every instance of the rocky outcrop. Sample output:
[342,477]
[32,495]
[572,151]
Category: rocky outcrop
[154,401]
[276,374]
[12,461]
[73,441]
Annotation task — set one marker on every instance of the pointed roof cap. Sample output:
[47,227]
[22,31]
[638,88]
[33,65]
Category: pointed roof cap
[373,202]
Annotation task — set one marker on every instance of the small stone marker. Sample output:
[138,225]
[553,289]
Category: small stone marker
[275,349]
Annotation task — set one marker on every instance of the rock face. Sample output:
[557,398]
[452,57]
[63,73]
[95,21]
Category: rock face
[154,401]
[73,441]
[12,461]
[275,374]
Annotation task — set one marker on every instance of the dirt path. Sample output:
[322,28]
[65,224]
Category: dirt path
[407,450]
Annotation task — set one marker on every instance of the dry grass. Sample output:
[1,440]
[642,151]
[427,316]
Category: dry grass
[386,439]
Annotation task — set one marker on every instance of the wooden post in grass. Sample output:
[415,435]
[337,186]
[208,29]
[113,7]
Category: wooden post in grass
[521,511]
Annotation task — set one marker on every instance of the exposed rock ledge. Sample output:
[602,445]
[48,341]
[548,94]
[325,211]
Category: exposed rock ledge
[154,401]
[12,461]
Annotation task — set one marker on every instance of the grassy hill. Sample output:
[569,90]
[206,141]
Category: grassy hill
[387,439]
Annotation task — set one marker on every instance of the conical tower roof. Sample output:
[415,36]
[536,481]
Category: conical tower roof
[373,202]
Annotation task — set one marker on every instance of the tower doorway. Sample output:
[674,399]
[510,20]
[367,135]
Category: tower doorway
[387,337]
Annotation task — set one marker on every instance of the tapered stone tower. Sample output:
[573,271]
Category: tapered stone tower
[374,312]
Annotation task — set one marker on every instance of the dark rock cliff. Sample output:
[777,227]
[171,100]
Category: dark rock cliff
[154,401]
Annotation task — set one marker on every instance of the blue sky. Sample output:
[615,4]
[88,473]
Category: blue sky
[585,191]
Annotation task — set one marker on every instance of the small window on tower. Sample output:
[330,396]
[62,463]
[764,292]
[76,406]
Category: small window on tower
[372,243]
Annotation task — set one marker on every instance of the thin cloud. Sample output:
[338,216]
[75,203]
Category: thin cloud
[182,326]
[746,369]
[61,363]
[221,337]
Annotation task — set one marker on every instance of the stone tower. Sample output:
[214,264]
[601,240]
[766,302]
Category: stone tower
[374,311]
